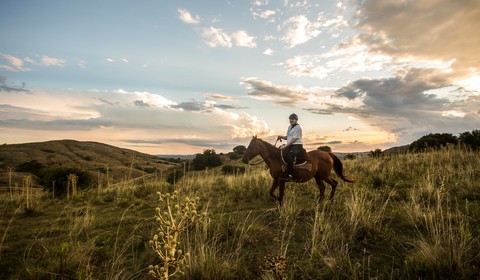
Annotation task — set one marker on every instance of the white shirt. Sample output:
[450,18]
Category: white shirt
[294,132]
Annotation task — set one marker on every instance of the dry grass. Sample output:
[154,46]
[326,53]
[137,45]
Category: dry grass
[409,216]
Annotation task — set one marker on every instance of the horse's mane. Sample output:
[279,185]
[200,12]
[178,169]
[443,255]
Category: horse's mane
[272,150]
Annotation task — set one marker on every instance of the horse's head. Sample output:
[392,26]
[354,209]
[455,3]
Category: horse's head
[252,150]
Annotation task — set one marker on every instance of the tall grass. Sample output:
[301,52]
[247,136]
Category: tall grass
[408,216]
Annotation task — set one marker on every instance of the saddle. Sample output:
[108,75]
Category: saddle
[301,161]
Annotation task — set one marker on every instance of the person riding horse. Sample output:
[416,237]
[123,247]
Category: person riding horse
[294,145]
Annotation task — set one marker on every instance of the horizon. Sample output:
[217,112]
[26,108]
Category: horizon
[181,76]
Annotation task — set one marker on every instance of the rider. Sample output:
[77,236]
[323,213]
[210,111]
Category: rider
[294,144]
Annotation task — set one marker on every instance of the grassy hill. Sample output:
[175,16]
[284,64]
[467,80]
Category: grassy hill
[96,158]
[407,216]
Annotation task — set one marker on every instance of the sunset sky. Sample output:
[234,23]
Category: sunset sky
[178,77]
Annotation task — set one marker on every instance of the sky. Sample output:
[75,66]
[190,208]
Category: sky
[180,77]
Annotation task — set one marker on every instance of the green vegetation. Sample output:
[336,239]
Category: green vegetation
[438,140]
[325,148]
[57,180]
[207,159]
[408,216]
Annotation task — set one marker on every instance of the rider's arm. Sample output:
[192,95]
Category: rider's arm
[292,140]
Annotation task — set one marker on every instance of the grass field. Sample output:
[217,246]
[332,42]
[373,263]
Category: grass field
[408,216]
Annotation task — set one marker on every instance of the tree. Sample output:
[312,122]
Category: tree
[240,149]
[325,148]
[377,153]
[433,141]
[208,159]
[470,139]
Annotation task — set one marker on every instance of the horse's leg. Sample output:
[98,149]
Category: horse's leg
[321,187]
[273,188]
[332,183]
[281,191]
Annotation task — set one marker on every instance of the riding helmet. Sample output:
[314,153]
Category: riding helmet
[293,116]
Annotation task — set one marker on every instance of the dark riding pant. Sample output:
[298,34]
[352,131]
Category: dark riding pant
[292,152]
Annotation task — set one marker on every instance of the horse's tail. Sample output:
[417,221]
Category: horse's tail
[338,166]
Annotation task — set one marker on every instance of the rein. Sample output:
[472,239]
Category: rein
[257,163]
[261,160]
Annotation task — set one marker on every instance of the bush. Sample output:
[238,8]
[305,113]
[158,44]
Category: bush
[240,149]
[470,139]
[433,141]
[59,175]
[208,159]
[173,175]
[231,169]
[32,166]
[325,149]
[234,155]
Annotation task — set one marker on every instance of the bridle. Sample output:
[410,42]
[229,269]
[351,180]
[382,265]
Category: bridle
[261,160]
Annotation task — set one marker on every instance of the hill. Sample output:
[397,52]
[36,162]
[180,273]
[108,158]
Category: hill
[407,216]
[96,158]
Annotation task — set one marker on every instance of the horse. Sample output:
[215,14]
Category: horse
[321,165]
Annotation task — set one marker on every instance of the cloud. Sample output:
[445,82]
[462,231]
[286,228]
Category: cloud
[12,63]
[406,105]
[17,64]
[265,90]
[268,52]
[284,95]
[188,140]
[120,114]
[51,61]
[299,30]
[7,88]
[217,37]
[194,105]
[424,30]
[242,39]
[13,89]
[245,126]
[186,17]
[218,96]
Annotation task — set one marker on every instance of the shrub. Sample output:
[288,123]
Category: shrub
[325,149]
[470,139]
[32,166]
[208,159]
[234,155]
[240,149]
[433,141]
[58,177]
[232,169]
[173,175]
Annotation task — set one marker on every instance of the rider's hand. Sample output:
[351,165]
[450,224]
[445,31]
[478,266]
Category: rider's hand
[279,138]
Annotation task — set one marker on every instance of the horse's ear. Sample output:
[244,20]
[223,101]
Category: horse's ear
[255,137]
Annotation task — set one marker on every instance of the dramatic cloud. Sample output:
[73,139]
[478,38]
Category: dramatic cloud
[405,105]
[425,30]
[282,95]
[285,95]
[150,117]
[186,17]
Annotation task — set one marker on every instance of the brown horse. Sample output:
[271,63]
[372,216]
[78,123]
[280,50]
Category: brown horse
[322,163]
